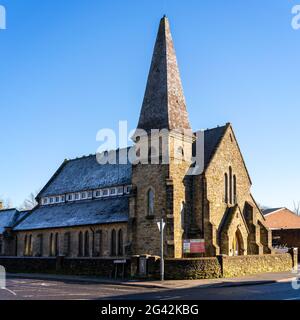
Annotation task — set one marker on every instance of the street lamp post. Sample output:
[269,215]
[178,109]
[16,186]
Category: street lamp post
[161,225]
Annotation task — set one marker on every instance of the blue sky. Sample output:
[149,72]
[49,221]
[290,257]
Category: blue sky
[69,68]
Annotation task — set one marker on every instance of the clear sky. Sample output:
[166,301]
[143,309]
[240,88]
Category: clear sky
[69,68]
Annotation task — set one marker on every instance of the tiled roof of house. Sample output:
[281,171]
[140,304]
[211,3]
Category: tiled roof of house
[85,174]
[91,212]
[7,218]
[282,218]
[271,210]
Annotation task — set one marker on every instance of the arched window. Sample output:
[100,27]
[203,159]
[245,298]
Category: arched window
[25,246]
[113,243]
[67,243]
[86,244]
[150,202]
[51,245]
[120,242]
[41,245]
[29,250]
[230,185]
[98,243]
[182,210]
[56,245]
[80,247]
[226,187]
[234,190]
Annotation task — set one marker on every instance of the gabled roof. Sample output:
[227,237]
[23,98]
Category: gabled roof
[282,218]
[229,217]
[85,174]
[212,139]
[164,105]
[91,212]
[271,210]
[7,218]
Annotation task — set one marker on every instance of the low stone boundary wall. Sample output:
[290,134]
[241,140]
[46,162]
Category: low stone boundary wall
[188,268]
[28,265]
[71,266]
[228,267]
[246,265]
[193,268]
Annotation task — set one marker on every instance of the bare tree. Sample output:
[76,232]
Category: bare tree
[6,203]
[262,207]
[297,208]
[30,202]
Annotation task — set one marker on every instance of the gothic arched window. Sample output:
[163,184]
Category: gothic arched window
[226,187]
[51,245]
[182,212]
[30,251]
[86,244]
[120,242]
[113,243]
[230,185]
[150,202]
[234,190]
[56,245]
[80,242]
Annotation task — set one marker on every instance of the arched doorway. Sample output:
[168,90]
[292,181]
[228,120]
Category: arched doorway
[238,244]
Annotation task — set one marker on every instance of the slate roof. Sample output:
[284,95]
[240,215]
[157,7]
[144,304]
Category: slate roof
[79,213]
[212,138]
[7,218]
[85,174]
[164,105]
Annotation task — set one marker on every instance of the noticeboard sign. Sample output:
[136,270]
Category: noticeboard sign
[194,246]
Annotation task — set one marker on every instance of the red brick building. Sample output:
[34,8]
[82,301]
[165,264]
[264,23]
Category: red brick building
[285,227]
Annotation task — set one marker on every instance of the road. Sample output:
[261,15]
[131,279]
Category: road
[35,289]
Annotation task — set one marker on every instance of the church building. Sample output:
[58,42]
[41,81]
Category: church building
[89,209]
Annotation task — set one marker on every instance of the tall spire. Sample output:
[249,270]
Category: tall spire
[164,104]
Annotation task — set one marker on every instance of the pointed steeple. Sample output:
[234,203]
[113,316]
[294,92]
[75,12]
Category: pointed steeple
[164,104]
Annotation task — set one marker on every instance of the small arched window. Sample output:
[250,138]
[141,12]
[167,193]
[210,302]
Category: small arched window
[86,244]
[150,202]
[80,244]
[113,243]
[226,187]
[120,242]
[182,213]
[30,251]
[56,245]
[25,246]
[230,185]
[234,190]
[51,245]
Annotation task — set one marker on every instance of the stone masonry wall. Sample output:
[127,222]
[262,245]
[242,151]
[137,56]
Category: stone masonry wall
[228,155]
[103,247]
[245,265]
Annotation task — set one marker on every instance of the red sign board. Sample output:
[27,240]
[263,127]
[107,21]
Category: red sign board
[194,246]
